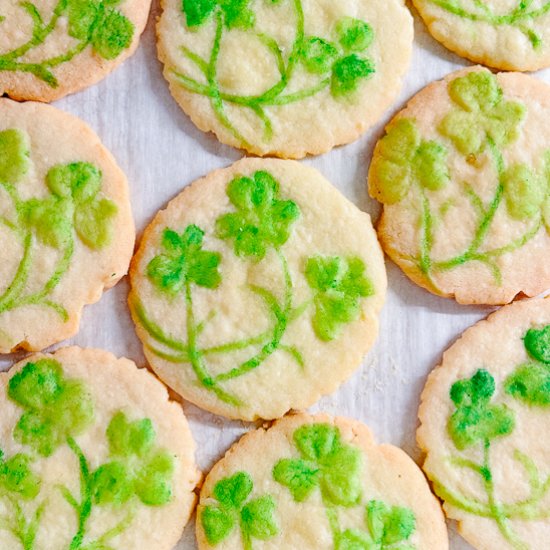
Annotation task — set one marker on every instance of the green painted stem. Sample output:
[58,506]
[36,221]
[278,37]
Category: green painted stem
[14,289]
[332,517]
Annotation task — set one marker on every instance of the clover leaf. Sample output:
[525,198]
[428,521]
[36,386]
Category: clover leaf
[262,220]
[236,13]
[476,419]
[318,55]
[537,343]
[14,156]
[524,191]
[354,35]
[183,261]
[56,408]
[326,463]
[339,284]
[16,476]
[403,159]
[347,74]
[255,517]
[481,113]
[81,15]
[139,467]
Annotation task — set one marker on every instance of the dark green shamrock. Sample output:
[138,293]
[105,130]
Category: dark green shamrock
[262,220]
[402,159]
[75,201]
[183,261]
[14,156]
[530,382]
[255,518]
[339,284]
[56,408]
[326,463]
[16,476]
[97,22]
[481,114]
[476,419]
[389,527]
[138,468]
[236,13]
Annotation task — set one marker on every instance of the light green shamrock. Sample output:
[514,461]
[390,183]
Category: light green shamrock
[235,13]
[14,156]
[16,476]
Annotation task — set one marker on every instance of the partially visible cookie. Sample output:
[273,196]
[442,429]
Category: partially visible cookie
[258,289]
[66,228]
[317,483]
[484,424]
[52,48]
[464,175]
[93,455]
[286,77]
[513,35]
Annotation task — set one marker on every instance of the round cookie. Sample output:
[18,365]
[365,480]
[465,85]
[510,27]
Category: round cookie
[258,289]
[93,455]
[484,419]
[317,482]
[464,175]
[512,35]
[66,228]
[287,77]
[52,48]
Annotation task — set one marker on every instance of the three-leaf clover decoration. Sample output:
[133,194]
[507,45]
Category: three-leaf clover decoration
[481,113]
[138,467]
[530,382]
[339,284]
[262,221]
[56,408]
[255,517]
[14,156]
[389,527]
[16,476]
[325,463]
[184,261]
[403,159]
[476,419]
[235,13]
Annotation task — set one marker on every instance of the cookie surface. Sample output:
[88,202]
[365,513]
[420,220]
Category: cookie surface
[52,48]
[93,455]
[285,78]
[66,229]
[258,289]
[464,175]
[513,35]
[483,417]
[317,482]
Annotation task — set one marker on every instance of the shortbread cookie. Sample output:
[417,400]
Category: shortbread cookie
[505,34]
[93,455]
[285,77]
[464,175]
[317,483]
[52,48]
[485,414]
[66,229]
[258,289]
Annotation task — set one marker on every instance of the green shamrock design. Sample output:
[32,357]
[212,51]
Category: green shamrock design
[55,408]
[530,382]
[235,13]
[138,467]
[184,261]
[404,159]
[476,419]
[480,114]
[94,23]
[325,463]
[255,517]
[389,527]
[16,476]
[262,220]
[14,156]
[339,284]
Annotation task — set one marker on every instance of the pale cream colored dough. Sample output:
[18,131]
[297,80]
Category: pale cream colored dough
[328,225]
[500,46]
[387,474]
[246,67]
[496,345]
[525,270]
[115,385]
[59,138]
[84,70]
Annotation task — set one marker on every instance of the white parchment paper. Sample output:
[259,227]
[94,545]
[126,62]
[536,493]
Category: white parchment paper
[161,152]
